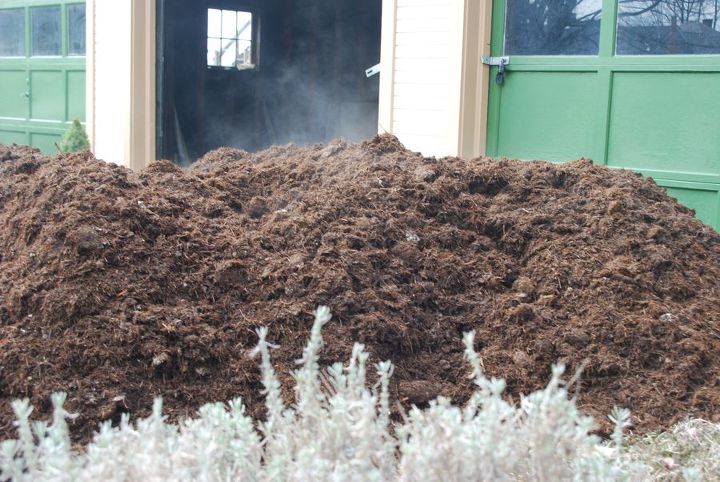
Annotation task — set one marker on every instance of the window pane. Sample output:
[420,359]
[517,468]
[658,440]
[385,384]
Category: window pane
[651,27]
[229,53]
[213,52]
[244,58]
[45,30]
[76,29]
[12,33]
[229,24]
[244,28]
[552,27]
[214,23]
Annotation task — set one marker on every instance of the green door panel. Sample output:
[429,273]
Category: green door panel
[13,137]
[47,96]
[45,142]
[656,114]
[76,95]
[666,122]
[568,99]
[41,95]
[703,198]
[13,102]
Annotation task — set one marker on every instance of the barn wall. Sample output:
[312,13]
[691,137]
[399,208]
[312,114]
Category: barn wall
[309,85]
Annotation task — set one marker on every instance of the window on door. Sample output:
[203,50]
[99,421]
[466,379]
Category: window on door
[76,29]
[644,27]
[46,31]
[549,27]
[230,41]
[12,32]
[660,27]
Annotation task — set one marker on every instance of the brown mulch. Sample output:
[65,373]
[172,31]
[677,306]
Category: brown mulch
[118,287]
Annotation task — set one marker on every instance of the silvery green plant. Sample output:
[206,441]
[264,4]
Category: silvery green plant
[339,428]
[690,451]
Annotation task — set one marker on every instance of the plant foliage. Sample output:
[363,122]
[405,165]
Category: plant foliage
[75,139]
[340,429]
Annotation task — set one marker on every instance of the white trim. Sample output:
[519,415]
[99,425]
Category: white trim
[387,67]
[90,72]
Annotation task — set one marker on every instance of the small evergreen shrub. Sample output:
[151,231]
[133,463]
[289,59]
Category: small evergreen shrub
[75,139]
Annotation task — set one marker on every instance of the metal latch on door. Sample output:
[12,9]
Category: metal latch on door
[500,63]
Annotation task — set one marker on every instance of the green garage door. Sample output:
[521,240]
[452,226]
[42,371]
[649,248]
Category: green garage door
[630,84]
[42,70]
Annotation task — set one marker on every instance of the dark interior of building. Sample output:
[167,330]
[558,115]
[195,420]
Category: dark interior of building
[253,73]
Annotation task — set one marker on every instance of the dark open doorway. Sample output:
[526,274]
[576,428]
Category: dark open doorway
[250,74]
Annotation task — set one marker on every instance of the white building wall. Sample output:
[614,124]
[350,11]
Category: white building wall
[109,51]
[121,80]
[421,76]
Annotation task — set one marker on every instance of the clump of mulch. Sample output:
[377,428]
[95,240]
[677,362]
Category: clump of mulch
[118,287]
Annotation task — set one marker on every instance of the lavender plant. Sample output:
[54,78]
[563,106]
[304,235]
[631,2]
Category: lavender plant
[340,429]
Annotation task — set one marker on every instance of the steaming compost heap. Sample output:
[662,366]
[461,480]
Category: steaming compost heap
[118,286]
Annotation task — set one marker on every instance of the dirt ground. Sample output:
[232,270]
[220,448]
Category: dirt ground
[118,287]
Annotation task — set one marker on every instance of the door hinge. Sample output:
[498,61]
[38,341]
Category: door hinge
[496,61]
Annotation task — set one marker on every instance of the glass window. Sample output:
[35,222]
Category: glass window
[230,39]
[12,32]
[45,24]
[552,27]
[653,27]
[76,29]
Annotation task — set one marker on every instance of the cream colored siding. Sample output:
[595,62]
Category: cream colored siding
[109,84]
[121,80]
[425,69]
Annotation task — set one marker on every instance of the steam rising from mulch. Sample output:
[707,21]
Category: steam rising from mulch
[118,286]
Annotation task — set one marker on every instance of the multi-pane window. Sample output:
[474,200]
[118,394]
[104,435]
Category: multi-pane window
[46,31]
[551,27]
[12,32]
[76,29]
[652,27]
[644,27]
[230,39]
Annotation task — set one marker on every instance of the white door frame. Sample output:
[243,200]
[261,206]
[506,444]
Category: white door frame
[476,79]
[121,78]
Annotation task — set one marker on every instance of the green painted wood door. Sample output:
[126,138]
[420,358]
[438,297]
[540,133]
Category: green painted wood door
[631,84]
[42,70]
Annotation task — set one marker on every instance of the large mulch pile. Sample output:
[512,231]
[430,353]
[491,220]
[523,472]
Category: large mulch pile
[118,287]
